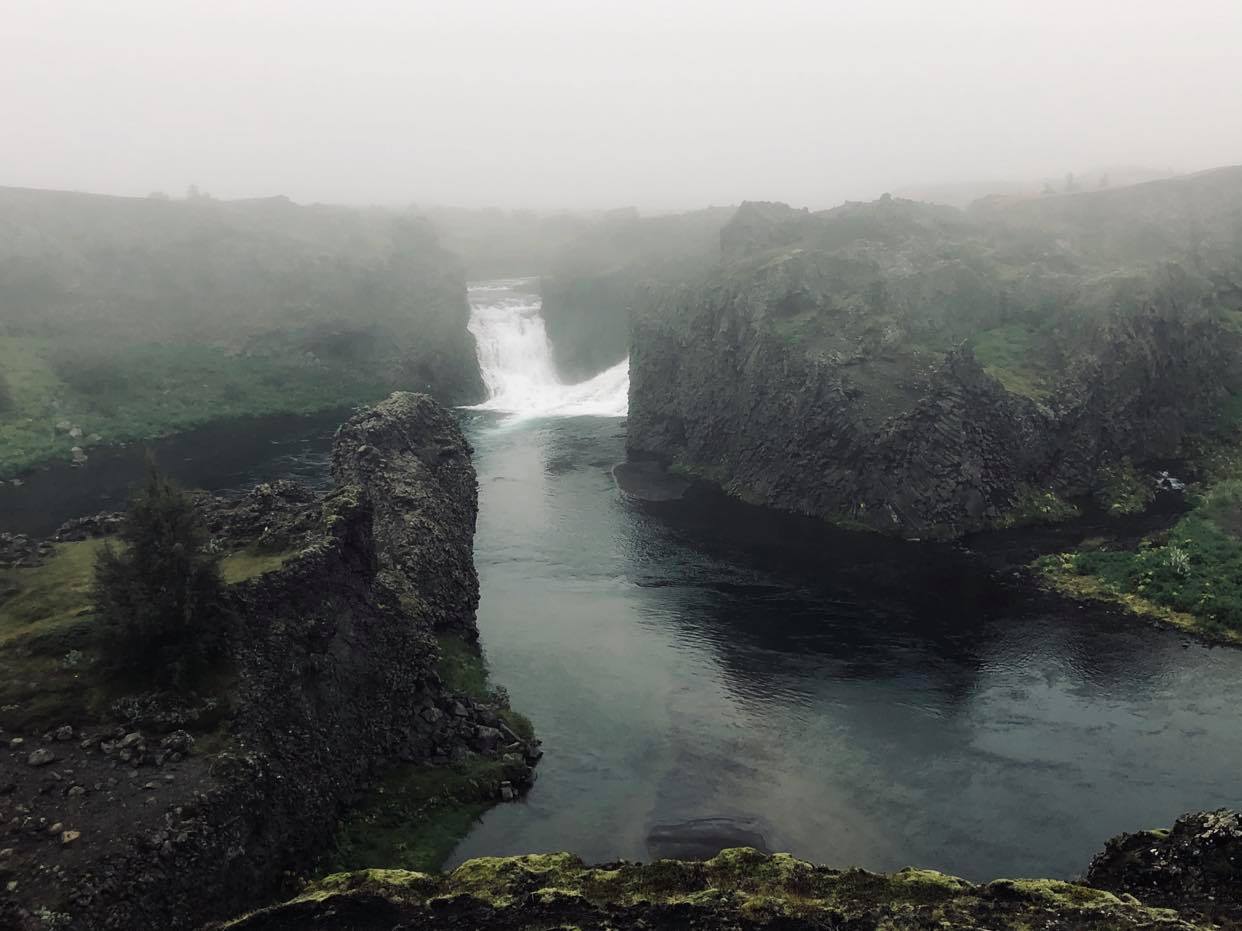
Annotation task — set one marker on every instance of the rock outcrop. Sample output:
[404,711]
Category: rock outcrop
[331,677]
[924,371]
[1195,868]
[737,889]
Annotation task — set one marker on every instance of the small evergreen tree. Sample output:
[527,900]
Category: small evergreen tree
[160,596]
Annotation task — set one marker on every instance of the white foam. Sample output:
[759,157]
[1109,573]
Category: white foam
[515,358]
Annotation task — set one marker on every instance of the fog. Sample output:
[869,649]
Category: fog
[561,103]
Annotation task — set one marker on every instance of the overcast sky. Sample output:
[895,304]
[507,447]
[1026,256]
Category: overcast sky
[670,104]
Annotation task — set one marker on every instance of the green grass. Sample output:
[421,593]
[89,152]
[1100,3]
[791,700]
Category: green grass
[1011,355]
[462,668]
[140,392]
[38,601]
[1193,573]
[50,668]
[251,563]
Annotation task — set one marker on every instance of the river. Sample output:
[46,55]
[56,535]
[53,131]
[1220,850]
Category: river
[702,672]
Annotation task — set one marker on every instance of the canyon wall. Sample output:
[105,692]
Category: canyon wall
[927,371]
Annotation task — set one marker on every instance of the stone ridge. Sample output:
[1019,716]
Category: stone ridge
[739,888]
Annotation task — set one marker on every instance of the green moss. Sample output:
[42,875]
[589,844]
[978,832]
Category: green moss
[748,885]
[1056,893]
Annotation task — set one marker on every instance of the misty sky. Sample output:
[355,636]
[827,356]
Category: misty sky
[587,103]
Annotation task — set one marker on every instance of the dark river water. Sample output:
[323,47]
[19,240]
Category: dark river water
[705,673]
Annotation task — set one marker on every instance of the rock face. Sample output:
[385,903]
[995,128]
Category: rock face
[410,456]
[739,888]
[1195,868]
[333,676]
[921,370]
[592,286]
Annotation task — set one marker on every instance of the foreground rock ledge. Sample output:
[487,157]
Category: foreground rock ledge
[739,888]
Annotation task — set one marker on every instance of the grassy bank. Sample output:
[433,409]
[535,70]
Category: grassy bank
[417,814]
[140,392]
[1189,576]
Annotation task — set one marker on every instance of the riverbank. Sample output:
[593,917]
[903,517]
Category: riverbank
[60,405]
[1188,575]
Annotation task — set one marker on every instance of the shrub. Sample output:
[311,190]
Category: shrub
[159,597]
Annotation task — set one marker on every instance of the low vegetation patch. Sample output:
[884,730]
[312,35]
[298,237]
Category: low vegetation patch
[120,394]
[1037,506]
[1012,355]
[1122,490]
[415,817]
[1190,576]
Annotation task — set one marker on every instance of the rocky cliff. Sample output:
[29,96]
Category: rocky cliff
[927,371]
[172,809]
[592,286]
[745,889]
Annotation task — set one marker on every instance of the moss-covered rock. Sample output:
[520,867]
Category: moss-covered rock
[739,888]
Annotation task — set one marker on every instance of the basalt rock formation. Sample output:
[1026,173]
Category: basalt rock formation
[928,371]
[746,889]
[176,809]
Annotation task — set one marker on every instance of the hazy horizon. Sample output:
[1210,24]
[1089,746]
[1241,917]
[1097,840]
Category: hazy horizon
[553,105]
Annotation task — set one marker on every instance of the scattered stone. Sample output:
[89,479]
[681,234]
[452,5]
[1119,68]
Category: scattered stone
[69,837]
[41,757]
[178,742]
[77,456]
[16,743]
[507,793]
[64,732]
[56,828]
[75,791]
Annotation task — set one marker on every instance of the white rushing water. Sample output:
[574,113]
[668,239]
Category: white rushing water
[515,357]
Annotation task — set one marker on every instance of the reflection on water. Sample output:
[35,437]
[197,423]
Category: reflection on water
[850,699]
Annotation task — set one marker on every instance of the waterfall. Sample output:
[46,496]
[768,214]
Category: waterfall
[515,358]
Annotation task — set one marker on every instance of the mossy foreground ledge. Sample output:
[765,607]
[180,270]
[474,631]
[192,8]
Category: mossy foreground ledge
[126,808]
[1196,867]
